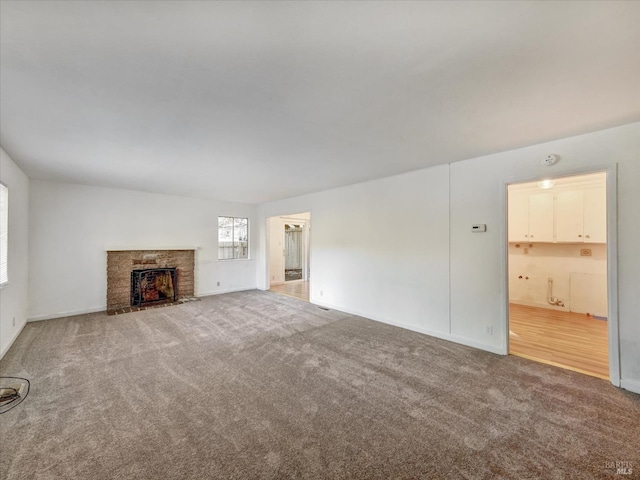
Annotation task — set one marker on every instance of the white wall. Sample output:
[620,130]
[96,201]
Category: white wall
[72,226]
[14,295]
[563,263]
[358,271]
[377,247]
[478,196]
[276,249]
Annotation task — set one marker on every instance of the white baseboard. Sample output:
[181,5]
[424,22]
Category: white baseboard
[218,292]
[631,385]
[13,339]
[432,333]
[71,313]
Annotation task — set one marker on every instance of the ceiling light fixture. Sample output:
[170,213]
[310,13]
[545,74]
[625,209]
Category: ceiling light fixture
[546,184]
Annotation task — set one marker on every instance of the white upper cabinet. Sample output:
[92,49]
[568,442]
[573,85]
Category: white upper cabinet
[570,216]
[518,217]
[541,217]
[595,215]
[581,216]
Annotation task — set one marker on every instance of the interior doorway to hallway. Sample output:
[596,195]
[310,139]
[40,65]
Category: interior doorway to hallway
[557,272]
[289,240]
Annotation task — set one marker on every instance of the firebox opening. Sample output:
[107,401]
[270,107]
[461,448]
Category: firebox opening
[152,286]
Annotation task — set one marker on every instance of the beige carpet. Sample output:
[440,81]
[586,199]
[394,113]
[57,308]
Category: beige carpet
[255,385]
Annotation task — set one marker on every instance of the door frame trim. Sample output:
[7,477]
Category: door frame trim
[611,172]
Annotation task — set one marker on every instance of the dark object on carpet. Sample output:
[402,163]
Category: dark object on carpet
[258,385]
[13,391]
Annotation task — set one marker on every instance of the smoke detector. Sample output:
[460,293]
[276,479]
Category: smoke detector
[549,160]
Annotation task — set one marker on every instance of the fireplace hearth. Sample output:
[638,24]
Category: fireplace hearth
[153,285]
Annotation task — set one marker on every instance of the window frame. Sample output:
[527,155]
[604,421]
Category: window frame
[233,246]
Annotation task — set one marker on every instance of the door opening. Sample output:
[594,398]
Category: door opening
[294,251]
[289,254]
[558,272]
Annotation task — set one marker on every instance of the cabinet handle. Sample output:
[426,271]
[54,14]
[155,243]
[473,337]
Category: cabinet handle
[531,236]
[587,236]
[580,236]
[526,236]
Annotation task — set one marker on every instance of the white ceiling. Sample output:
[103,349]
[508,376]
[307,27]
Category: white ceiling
[254,101]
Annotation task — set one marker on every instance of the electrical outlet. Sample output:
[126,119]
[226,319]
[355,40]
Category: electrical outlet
[489,329]
[321,293]
[218,283]
[14,321]
[585,252]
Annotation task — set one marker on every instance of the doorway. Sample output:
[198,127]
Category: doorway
[294,251]
[557,264]
[289,255]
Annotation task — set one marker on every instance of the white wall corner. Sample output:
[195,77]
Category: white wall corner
[631,385]
[15,336]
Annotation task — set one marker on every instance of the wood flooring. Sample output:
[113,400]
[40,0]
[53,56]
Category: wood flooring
[297,289]
[570,340]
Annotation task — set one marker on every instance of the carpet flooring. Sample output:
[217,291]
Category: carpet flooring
[256,385]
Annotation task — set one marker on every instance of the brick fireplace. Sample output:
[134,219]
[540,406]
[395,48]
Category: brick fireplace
[122,263]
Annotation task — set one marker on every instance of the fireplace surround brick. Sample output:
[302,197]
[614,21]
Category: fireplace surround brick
[120,264]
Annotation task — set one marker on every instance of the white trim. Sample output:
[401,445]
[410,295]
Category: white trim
[432,333]
[13,339]
[227,290]
[504,266]
[71,313]
[266,254]
[449,283]
[631,385]
[4,234]
[612,274]
[611,171]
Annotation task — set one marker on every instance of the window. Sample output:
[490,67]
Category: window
[233,238]
[4,237]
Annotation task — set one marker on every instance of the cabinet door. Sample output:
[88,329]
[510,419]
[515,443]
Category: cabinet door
[541,217]
[569,216]
[518,218]
[595,215]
